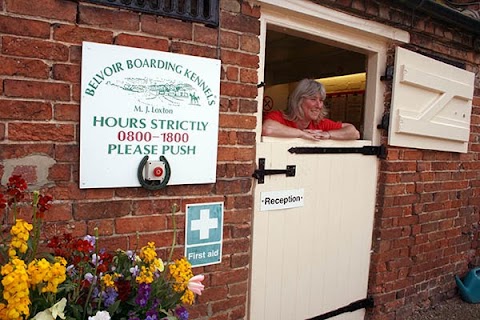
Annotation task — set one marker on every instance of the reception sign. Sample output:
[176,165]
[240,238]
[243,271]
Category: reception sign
[283,199]
[137,103]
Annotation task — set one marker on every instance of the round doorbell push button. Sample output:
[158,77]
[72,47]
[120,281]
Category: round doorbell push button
[158,172]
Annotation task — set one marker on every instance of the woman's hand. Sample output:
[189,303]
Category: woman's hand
[316,134]
[347,132]
[275,129]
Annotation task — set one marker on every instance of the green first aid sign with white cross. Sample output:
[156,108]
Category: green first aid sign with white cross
[204,233]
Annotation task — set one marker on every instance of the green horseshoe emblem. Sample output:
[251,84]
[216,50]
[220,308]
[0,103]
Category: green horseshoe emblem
[153,184]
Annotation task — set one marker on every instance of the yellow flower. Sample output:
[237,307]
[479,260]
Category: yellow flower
[56,275]
[20,233]
[181,272]
[15,290]
[148,256]
[37,269]
[188,297]
[3,311]
[48,275]
[108,280]
[158,265]
[145,276]
[148,253]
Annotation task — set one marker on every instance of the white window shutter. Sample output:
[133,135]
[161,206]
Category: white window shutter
[431,104]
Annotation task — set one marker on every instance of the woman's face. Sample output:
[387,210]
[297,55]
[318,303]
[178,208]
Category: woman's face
[312,107]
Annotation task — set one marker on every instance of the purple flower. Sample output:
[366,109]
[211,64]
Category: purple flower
[135,271]
[89,277]
[96,259]
[90,239]
[152,315]
[132,316]
[109,296]
[143,294]
[95,292]
[182,313]
[71,271]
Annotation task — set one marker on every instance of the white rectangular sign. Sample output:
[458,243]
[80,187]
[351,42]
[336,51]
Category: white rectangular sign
[284,199]
[137,103]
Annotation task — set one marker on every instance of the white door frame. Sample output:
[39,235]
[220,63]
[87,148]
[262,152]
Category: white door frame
[334,28]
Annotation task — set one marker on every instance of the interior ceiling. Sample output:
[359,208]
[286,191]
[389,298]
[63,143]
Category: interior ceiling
[290,58]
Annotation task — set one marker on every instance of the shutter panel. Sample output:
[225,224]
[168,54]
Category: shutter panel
[431,104]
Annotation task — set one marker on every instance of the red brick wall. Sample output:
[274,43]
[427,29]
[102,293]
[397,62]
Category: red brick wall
[426,226]
[40,63]
[427,218]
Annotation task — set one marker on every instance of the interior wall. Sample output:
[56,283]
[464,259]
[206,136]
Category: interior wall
[345,98]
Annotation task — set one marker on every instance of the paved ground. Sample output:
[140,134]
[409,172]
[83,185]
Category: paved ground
[453,309]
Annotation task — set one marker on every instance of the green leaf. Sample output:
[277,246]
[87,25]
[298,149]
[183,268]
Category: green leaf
[114,307]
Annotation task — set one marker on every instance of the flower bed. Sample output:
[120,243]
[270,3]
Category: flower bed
[76,279]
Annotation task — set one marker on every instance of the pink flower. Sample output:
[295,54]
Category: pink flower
[195,284]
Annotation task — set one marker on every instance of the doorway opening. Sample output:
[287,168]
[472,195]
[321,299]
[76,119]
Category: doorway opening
[291,56]
[314,258]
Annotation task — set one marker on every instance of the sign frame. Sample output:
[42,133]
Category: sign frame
[138,102]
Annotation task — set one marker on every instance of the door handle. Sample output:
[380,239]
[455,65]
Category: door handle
[261,172]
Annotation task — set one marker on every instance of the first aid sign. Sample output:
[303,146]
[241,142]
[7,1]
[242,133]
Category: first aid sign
[204,233]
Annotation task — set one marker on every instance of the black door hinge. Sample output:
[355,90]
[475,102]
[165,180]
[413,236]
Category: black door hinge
[379,151]
[388,74]
[359,304]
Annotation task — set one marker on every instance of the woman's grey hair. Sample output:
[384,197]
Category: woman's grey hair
[306,88]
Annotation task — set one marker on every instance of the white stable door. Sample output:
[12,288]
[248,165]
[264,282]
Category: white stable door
[313,259]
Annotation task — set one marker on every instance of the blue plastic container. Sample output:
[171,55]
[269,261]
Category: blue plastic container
[469,288]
